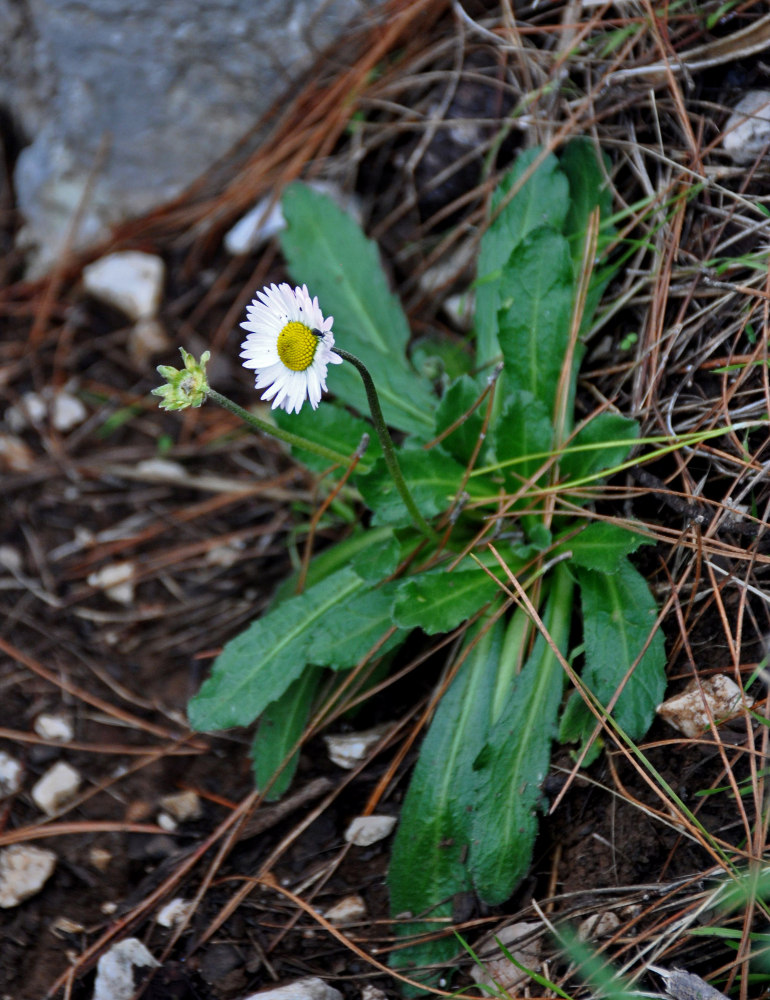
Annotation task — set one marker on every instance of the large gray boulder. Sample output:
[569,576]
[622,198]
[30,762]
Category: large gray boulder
[141,96]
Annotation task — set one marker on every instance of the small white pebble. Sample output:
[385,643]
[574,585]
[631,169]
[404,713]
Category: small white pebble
[10,559]
[747,130]
[366,830]
[175,912]
[15,454]
[54,727]
[182,806]
[108,908]
[689,711]
[349,749]
[147,339]
[115,969]
[99,858]
[24,870]
[10,774]
[55,789]
[166,822]
[129,280]
[349,910]
[67,411]
[302,989]
[116,580]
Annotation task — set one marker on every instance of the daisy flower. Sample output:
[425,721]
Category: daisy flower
[289,346]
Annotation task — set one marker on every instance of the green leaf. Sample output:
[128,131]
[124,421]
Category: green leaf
[326,249]
[354,626]
[427,862]
[576,725]
[523,429]
[589,189]
[433,478]
[280,727]
[370,548]
[618,614]
[609,439]
[514,762]
[440,601]
[543,200]
[333,427]
[535,315]
[256,667]
[461,395]
[601,546]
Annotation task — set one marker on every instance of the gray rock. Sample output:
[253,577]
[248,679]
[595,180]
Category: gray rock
[141,97]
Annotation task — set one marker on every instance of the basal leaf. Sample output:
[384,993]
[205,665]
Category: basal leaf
[433,478]
[515,759]
[327,251]
[461,395]
[440,601]
[334,427]
[619,613]
[280,727]
[601,546]
[354,627]
[256,667]
[589,189]
[427,866]
[541,201]
[536,309]
[366,549]
[523,429]
[609,437]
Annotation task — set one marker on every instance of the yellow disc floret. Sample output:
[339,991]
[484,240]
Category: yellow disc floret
[297,346]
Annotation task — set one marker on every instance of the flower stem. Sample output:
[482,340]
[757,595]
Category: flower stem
[388,449]
[263,427]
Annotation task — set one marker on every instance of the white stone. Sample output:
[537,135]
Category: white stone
[366,830]
[370,992]
[99,858]
[598,925]
[175,912]
[10,774]
[54,727]
[28,412]
[57,786]
[348,910]
[747,131]
[115,971]
[302,989]
[10,559]
[166,822]
[130,280]
[67,411]
[147,338]
[116,580]
[183,806]
[497,971]
[349,749]
[264,221]
[689,711]
[256,227]
[24,870]
[15,454]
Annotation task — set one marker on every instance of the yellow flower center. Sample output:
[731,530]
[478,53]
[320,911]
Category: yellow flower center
[297,346]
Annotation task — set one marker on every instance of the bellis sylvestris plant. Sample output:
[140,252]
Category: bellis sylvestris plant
[480,522]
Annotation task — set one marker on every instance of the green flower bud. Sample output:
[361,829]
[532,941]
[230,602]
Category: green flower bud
[184,388]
